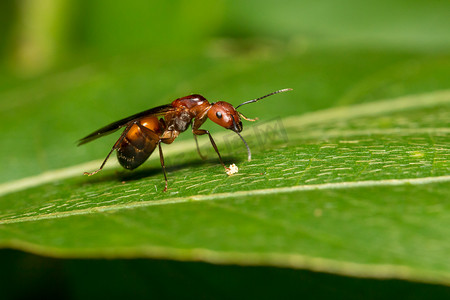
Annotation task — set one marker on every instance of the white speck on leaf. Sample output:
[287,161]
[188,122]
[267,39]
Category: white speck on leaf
[232,169]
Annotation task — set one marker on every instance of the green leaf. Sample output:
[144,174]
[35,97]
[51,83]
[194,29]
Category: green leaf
[349,174]
[358,190]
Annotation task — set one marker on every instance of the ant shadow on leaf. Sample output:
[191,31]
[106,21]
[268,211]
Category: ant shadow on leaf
[141,173]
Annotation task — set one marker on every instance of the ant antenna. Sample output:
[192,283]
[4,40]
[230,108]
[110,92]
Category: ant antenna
[257,99]
[249,154]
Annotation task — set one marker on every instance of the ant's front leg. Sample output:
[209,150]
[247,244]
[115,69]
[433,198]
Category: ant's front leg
[202,132]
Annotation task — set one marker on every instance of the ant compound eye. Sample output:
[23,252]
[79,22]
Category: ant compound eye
[219,114]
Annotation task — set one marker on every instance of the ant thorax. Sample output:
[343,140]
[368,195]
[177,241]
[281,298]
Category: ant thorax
[179,121]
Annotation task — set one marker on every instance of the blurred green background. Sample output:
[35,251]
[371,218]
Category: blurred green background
[69,67]
[43,36]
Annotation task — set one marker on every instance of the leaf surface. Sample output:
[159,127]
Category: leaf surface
[359,190]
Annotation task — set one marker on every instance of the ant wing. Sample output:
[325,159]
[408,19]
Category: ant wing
[156,111]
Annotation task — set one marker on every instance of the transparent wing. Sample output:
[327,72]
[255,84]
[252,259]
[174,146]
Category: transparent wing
[156,111]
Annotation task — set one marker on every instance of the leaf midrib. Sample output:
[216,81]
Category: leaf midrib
[219,196]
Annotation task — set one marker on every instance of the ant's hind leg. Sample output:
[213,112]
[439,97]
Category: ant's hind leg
[116,145]
[103,164]
[152,135]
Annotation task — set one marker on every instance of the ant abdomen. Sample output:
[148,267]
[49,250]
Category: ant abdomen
[139,143]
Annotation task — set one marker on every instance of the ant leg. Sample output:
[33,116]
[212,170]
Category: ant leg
[149,134]
[202,132]
[116,145]
[196,142]
[198,148]
[154,136]
[161,158]
[103,164]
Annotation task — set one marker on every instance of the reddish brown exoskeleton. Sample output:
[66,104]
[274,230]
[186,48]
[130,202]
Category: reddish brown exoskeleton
[148,129]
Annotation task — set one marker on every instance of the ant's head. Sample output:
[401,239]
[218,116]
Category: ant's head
[224,114]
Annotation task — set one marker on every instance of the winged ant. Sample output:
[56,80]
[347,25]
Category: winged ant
[146,130]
